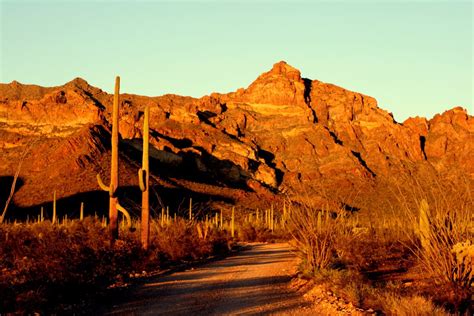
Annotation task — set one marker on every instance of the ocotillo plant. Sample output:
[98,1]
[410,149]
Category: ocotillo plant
[143,180]
[114,205]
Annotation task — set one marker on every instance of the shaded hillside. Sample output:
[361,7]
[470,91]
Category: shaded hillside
[282,136]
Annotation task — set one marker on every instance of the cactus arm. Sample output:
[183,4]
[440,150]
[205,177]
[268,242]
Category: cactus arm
[101,184]
[142,179]
[104,187]
[125,213]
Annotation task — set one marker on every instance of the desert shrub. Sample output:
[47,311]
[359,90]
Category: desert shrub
[316,234]
[187,240]
[439,220]
[47,263]
[397,305]
[248,232]
[259,232]
[386,299]
[438,217]
[365,252]
[44,265]
[445,243]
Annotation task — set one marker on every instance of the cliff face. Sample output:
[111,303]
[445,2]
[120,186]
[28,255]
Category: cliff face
[283,134]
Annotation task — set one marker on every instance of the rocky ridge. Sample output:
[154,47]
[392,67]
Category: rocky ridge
[283,135]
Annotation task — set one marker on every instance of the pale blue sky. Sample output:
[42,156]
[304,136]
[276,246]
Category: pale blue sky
[414,57]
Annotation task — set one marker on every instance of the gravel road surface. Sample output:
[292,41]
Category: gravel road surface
[253,282]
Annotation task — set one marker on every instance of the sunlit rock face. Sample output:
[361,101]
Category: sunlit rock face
[283,135]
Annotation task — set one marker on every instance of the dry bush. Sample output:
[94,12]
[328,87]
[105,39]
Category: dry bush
[437,217]
[316,233]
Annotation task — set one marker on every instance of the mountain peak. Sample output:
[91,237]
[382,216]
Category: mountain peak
[282,68]
[15,83]
[78,82]
[282,85]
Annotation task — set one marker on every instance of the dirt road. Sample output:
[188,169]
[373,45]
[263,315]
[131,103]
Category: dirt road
[254,281]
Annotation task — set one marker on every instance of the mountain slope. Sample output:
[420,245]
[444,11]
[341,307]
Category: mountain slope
[284,135]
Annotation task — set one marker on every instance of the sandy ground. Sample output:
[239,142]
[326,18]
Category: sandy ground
[255,281]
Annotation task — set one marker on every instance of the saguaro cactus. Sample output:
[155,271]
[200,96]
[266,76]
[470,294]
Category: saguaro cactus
[143,180]
[232,223]
[55,218]
[81,212]
[114,205]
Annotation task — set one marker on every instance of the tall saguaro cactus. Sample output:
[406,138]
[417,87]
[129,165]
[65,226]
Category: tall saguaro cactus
[114,205]
[143,180]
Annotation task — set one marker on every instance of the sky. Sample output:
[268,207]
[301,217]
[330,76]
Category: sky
[414,57]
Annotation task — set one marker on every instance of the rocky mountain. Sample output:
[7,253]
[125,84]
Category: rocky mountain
[282,137]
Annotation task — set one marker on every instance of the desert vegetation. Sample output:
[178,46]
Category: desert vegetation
[414,257]
[46,265]
[417,253]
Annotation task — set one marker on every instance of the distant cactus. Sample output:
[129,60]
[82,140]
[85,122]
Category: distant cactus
[222,221]
[232,224]
[54,220]
[114,205]
[81,213]
[272,217]
[162,216]
[143,180]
